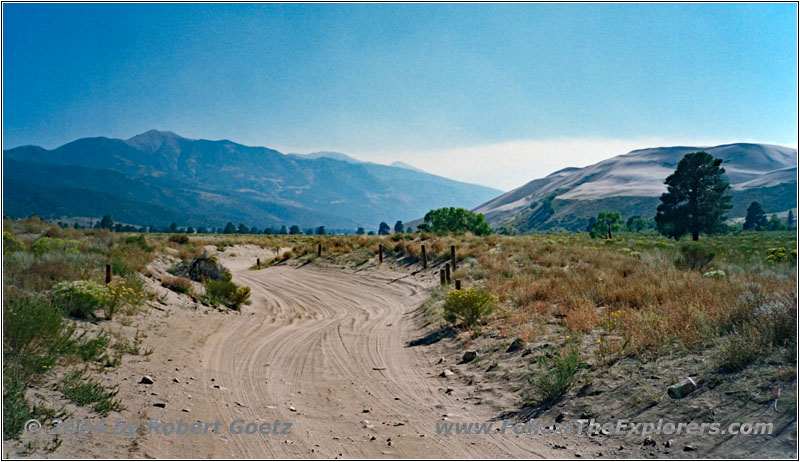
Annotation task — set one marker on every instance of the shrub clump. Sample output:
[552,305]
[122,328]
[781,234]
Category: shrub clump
[468,307]
[80,298]
[558,377]
[54,244]
[179,239]
[11,244]
[694,256]
[227,293]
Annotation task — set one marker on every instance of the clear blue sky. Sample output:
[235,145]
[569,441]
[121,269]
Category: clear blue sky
[404,82]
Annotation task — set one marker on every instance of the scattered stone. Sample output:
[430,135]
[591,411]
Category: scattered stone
[668,443]
[469,355]
[577,454]
[147,380]
[372,438]
[448,391]
[649,442]
[516,345]
[176,380]
[241,405]
[446,373]
[689,448]
[682,388]
[440,361]
[186,410]
[291,408]
[558,446]
[365,411]
[560,417]
[161,405]
[378,368]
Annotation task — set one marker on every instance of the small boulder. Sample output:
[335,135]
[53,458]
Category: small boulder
[682,388]
[147,380]
[446,373]
[516,345]
[469,355]
[161,405]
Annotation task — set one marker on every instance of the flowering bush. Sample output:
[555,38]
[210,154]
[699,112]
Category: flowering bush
[469,307]
[80,298]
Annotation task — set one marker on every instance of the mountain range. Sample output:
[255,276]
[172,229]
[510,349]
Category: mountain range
[159,177]
[632,183]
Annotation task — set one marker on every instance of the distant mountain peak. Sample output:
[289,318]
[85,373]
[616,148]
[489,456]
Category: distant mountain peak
[406,166]
[327,155]
[152,140]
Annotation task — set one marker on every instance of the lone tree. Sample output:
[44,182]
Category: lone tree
[790,220]
[456,220]
[106,222]
[383,229]
[320,230]
[696,199]
[756,218]
[360,231]
[294,229]
[607,222]
[398,227]
[230,228]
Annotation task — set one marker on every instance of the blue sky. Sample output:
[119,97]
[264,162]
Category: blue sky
[493,94]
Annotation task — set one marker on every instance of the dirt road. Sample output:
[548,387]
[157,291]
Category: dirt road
[325,350]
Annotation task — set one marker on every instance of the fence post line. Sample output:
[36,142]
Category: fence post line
[441,277]
[258,263]
[453,257]
[458,284]
[319,250]
[447,271]
[108,273]
[424,257]
[380,253]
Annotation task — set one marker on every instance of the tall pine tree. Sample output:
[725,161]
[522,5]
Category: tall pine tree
[696,199]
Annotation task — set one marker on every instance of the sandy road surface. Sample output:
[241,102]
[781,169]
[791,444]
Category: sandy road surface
[319,348]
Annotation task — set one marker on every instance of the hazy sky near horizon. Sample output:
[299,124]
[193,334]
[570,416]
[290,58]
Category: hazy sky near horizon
[490,94]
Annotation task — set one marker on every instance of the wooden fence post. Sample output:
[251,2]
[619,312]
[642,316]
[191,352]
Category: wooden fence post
[458,284]
[453,257]
[441,277]
[258,263]
[380,253]
[108,273]
[319,250]
[447,271]
[424,257]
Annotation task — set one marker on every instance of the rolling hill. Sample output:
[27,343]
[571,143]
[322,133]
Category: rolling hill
[632,183]
[163,177]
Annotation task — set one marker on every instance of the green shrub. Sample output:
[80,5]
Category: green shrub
[558,377]
[179,238]
[84,391]
[11,244]
[227,293]
[34,335]
[139,241]
[80,298]
[694,256]
[16,409]
[468,307]
[54,244]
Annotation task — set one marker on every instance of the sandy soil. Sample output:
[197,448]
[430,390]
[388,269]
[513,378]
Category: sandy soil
[321,348]
[327,350]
